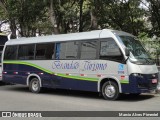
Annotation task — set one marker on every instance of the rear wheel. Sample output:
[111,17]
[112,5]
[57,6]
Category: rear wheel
[34,85]
[110,90]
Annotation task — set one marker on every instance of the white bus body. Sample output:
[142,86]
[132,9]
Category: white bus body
[106,61]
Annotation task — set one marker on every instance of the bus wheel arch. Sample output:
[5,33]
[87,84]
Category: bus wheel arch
[34,83]
[110,88]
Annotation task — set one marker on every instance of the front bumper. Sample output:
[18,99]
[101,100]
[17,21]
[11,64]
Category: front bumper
[141,83]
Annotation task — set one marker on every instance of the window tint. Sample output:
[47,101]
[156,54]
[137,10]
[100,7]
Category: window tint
[67,50]
[10,53]
[110,50]
[1,47]
[45,51]
[26,52]
[3,39]
[88,50]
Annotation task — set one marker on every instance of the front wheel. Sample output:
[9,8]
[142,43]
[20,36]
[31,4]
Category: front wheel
[110,90]
[34,85]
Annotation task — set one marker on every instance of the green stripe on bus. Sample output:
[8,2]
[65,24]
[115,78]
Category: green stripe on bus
[124,81]
[78,77]
[29,64]
[50,72]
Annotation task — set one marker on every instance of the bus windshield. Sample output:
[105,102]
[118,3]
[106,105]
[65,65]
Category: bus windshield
[138,54]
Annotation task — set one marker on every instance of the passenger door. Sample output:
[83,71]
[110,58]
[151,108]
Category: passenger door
[66,65]
[88,62]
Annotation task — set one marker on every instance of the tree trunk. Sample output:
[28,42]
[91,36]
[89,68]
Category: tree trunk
[53,18]
[13,29]
[81,16]
[94,25]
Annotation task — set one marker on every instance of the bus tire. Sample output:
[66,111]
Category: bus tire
[110,90]
[34,86]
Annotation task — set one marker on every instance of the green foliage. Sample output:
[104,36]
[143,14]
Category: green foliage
[2,14]
[43,16]
[152,45]
[32,16]
[154,16]
[123,15]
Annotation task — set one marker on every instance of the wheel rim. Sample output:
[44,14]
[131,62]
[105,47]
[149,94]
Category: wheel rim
[35,85]
[110,91]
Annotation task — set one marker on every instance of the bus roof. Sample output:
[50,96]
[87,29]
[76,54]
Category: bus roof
[68,37]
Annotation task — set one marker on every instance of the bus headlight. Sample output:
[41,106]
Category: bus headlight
[137,75]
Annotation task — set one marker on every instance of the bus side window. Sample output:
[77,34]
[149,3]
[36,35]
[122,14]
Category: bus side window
[26,52]
[67,50]
[45,51]
[110,50]
[88,50]
[10,53]
[71,50]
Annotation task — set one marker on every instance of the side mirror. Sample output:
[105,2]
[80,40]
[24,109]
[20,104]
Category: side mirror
[127,52]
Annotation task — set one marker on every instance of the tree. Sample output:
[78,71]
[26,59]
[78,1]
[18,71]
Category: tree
[63,16]
[29,16]
[123,15]
[24,16]
[155,15]
[5,6]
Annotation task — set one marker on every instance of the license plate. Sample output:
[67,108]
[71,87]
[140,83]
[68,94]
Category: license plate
[154,80]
